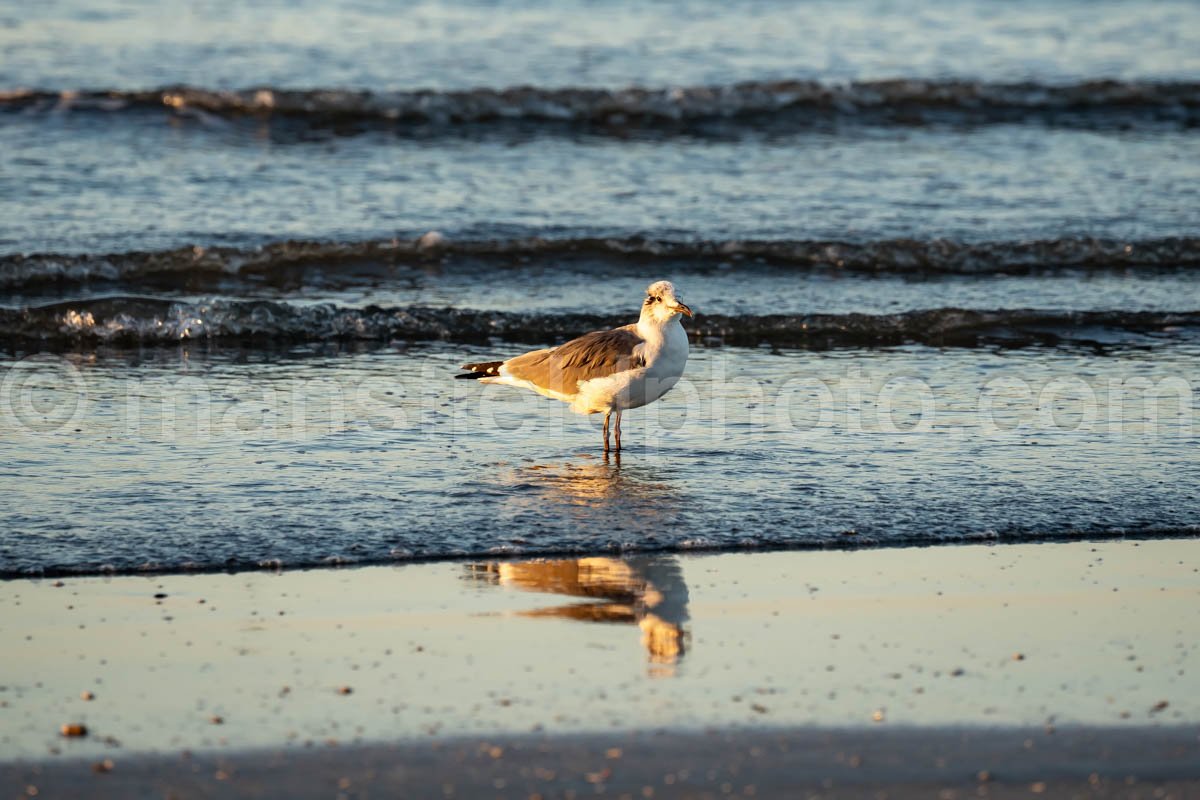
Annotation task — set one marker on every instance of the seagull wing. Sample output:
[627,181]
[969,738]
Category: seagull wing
[561,369]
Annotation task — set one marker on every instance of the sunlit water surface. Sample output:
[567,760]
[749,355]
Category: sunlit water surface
[187,458]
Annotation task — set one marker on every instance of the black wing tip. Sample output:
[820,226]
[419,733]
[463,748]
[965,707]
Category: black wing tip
[489,369]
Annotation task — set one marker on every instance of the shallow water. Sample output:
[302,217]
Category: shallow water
[186,459]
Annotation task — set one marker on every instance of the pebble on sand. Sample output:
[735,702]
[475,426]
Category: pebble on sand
[345,690]
[86,695]
[73,729]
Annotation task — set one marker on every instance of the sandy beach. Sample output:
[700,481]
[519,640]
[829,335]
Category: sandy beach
[1068,666]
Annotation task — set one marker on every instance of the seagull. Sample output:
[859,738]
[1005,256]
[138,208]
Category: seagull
[605,371]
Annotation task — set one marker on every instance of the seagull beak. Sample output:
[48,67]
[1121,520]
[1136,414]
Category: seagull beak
[681,308]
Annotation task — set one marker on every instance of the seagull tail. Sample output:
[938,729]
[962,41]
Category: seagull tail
[488,369]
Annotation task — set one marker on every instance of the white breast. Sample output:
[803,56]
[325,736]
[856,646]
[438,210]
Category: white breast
[665,352]
[668,358]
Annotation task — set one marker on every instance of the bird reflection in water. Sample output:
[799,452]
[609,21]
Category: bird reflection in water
[648,591]
[600,499]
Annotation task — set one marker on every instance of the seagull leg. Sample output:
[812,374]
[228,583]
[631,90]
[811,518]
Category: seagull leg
[606,415]
[618,431]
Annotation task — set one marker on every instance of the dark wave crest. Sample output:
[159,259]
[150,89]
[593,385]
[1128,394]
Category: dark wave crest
[150,321]
[790,103]
[901,256]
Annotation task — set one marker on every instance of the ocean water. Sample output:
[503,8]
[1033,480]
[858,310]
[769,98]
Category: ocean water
[469,43]
[944,257]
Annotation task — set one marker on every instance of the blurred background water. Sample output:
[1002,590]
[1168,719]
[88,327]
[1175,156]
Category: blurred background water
[464,44]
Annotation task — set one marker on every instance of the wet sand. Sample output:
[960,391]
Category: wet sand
[912,669]
[810,763]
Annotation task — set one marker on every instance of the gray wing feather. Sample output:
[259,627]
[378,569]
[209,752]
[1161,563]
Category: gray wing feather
[593,355]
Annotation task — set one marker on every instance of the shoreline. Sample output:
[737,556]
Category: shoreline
[849,543]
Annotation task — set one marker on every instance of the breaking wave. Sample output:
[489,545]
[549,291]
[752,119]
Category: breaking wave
[792,103]
[901,256]
[151,321]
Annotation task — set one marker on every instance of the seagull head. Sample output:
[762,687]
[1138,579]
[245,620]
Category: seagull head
[662,304]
